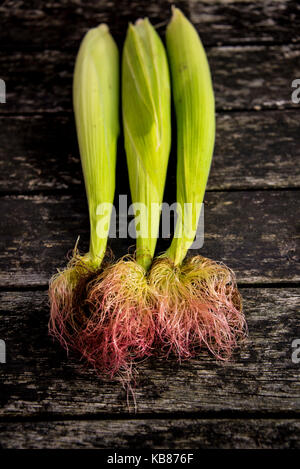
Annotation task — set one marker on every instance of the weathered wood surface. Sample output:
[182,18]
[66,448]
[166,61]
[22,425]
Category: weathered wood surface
[153,434]
[39,380]
[254,232]
[27,24]
[253,151]
[49,400]
[249,77]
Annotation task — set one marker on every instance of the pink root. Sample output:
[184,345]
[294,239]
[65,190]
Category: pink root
[121,327]
[67,295]
[198,305]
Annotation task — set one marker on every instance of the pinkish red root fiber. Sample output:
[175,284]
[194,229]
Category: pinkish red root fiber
[67,297]
[120,315]
[198,306]
[121,327]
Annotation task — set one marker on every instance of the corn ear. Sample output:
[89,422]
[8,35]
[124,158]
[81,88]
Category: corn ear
[147,129]
[96,101]
[195,115]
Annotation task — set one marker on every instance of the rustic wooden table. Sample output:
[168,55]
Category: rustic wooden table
[251,223]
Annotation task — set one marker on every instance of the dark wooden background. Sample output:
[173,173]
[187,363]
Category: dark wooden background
[251,223]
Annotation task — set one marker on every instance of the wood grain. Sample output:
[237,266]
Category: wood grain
[39,380]
[153,434]
[255,233]
[27,24]
[252,151]
[251,77]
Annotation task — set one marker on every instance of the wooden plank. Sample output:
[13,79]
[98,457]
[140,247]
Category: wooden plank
[251,77]
[39,380]
[253,150]
[252,232]
[36,24]
[43,155]
[256,150]
[153,434]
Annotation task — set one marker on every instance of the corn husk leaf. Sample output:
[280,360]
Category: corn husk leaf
[195,115]
[147,129]
[96,101]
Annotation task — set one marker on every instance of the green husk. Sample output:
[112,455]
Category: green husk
[147,129]
[96,107]
[195,114]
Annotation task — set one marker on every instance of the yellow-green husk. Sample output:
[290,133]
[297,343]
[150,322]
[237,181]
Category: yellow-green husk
[195,114]
[147,128]
[96,108]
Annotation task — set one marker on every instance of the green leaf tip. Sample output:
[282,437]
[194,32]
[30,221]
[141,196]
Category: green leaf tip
[176,14]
